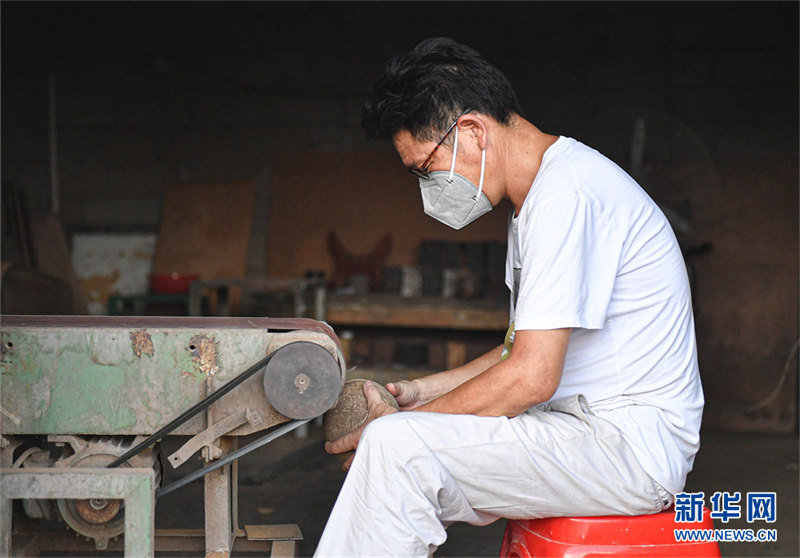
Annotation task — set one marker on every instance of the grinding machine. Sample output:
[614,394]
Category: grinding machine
[88,400]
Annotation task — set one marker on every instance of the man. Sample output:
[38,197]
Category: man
[593,406]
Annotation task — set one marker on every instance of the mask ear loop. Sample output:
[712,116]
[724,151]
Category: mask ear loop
[453,163]
[483,168]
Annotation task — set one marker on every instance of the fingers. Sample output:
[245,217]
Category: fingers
[376,407]
[372,394]
[406,393]
[346,457]
[397,389]
[346,443]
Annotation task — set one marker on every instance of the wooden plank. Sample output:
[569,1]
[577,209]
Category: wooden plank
[53,256]
[361,195]
[282,532]
[205,229]
[382,311]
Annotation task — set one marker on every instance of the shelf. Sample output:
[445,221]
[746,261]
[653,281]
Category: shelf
[436,313]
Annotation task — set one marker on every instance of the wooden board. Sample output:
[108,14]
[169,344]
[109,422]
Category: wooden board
[205,229]
[391,311]
[53,256]
[361,195]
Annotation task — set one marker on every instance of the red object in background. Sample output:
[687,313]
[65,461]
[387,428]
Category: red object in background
[171,283]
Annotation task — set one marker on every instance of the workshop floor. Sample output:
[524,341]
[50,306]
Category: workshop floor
[292,480]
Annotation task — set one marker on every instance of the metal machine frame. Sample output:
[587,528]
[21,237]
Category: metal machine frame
[67,380]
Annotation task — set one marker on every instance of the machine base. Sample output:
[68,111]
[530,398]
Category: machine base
[31,540]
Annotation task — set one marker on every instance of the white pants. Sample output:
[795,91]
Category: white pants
[416,473]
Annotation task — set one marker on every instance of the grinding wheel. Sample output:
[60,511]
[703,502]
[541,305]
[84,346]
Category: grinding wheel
[302,380]
[351,409]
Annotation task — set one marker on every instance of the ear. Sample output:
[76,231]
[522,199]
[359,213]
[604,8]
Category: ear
[473,124]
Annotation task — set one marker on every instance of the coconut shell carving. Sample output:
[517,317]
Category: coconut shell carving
[351,409]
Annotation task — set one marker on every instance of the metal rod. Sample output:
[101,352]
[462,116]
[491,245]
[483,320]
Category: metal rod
[286,428]
[191,412]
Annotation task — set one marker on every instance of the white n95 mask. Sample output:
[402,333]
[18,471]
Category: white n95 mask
[450,198]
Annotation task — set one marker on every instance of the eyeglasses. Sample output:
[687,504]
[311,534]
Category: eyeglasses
[422,170]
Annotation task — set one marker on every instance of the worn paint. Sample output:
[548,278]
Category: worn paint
[98,404]
[40,396]
[204,354]
[90,381]
[6,346]
[135,486]
[142,343]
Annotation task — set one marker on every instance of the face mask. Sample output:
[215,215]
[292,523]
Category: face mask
[450,198]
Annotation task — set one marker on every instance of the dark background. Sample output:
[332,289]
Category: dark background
[157,93]
[151,94]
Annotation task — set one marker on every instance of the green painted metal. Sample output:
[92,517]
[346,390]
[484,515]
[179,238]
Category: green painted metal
[112,376]
[135,486]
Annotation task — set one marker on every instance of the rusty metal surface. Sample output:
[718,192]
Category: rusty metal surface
[119,375]
[135,486]
[100,519]
[218,488]
[302,380]
[98,510]
[172,322]
[211,434]
[224,460]
[70,377]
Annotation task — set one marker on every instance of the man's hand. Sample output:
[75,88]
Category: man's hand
[412,394]
[407,394]
[349,442]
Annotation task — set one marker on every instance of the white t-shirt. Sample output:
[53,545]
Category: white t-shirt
[591,251]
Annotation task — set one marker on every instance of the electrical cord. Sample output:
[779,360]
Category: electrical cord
[772,396]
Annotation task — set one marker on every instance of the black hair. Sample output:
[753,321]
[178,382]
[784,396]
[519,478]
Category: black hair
[425,89]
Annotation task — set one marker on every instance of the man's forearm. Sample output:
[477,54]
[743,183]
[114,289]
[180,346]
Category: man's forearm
[488,393]
[508,387]
[436,385]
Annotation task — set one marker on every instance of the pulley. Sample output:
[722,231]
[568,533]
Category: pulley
[100,519]
[302,380]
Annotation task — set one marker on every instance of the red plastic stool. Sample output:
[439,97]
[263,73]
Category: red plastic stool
[585,537]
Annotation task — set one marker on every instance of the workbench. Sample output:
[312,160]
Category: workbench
[225,290]
[379,310]
[391,311]
[118,304]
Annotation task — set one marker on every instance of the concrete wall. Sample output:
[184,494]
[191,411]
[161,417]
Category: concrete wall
[159,93]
